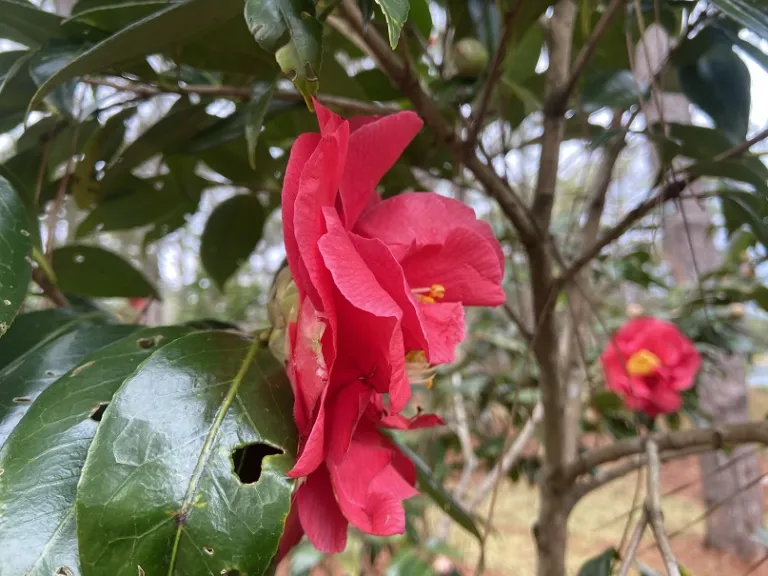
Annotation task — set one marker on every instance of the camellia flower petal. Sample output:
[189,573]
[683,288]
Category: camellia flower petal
[649,362]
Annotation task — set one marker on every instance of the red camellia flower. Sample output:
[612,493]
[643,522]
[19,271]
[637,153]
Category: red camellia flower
[381,286]
[649,362]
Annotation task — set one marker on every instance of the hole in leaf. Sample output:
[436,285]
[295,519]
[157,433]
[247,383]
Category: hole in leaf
[208,550]
[145,343]
[50,373]
[98,411]
[226,572]
[64,571]
[22,400]
[247,460]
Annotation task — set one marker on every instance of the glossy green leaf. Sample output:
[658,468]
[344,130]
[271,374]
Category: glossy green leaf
[742,208]
[290,30]
[522,57]
[420,17]
[600,565]
[16,87]
[15,248]
[32,328]
[261,96]
[231,234]
[431,485]
[395,13]
[158,32]
[737,169]
[140,205]
[97,273]
[159,492]
[173,129]
[31,373]
[719,83]
[45,453]
[752,14]
[115,16]
[25,23]
[101,146]
[612,89]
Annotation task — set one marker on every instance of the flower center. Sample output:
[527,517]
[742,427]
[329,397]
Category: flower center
[429,295]
[418,369]
[643,363]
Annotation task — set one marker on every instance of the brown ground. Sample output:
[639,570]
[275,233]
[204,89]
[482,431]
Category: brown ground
[597,523]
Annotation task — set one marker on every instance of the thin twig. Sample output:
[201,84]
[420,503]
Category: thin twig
[494,74]
[634,544]
[559,100]
[508,459]
[49,290]
[653,510]
[241,93]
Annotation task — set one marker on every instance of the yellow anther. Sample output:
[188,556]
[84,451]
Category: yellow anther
[418,369]
[429,295]
[643,363]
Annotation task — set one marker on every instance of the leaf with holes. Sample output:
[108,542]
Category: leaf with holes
[231,233]
[15,247]
[290,30]
[31,373]
[201,494]
[44,454]
[97,273]
[431,485]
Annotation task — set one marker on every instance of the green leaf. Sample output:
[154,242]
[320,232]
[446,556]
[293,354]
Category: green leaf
[15,247]
[743,208]
[408,563]
[611,89]
[102,145]
[112,17]
[32,328]
[31,373]
[44,455]
[231,234]
[173,129]
[601,565]
[431,485]
[736,169]
[750,13]
[261,96]
[96,273]
[25,23]
[290,30]
[395,13]
[520,62]
[16,87]
[161,492]
[719,83]
[421,18]
[156,33]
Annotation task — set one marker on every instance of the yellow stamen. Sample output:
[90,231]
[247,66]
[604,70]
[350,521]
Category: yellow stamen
[429,295]
[643,363]
[418,369]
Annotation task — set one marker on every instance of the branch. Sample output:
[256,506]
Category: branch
[50,291]
[714,438]
[242,93]
[634,544]
[556,104]
[508,460]
[493,75]
[367,38]
[653,510]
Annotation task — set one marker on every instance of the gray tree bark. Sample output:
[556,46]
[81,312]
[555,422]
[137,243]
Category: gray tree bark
[690,250]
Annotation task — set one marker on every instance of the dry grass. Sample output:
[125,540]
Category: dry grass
[596,523]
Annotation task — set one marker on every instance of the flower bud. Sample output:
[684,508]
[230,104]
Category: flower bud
[634,310]
[471,57]
[283,305]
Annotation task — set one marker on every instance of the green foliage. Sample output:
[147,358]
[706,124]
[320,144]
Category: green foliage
[15,249]
[205,514]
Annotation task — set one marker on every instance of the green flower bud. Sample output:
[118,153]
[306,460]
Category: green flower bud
[471,57]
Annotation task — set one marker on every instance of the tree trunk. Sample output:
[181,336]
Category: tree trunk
[689,249]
